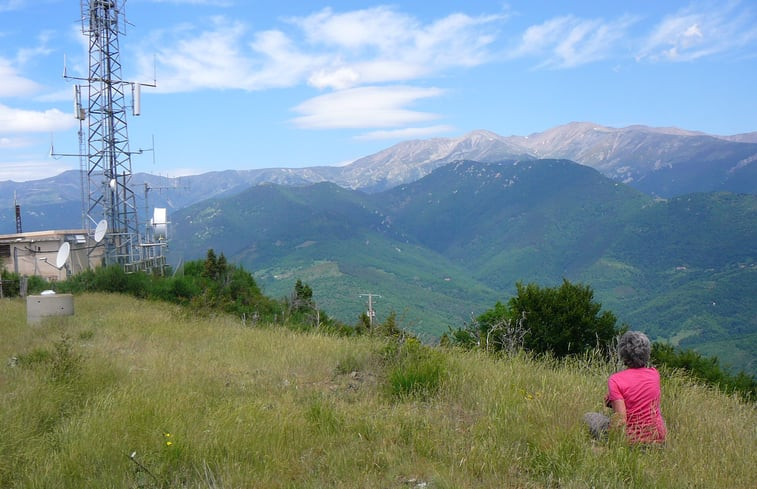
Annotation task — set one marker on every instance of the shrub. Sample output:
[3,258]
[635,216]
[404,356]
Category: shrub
[705,369]
[415,371]
[559,321]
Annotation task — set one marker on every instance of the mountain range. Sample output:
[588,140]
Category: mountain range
[664,162]
[661,222]
[446,247]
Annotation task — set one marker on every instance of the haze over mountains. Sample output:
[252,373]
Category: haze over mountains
[664,162]
[661,222]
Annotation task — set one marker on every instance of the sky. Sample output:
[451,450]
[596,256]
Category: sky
[244,84]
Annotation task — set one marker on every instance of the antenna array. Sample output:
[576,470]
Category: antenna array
[107,194]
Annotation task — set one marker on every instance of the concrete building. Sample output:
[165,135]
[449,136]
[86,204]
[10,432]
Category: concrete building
[36,253]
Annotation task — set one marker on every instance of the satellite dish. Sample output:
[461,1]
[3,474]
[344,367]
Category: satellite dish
[63,252]
[100,230]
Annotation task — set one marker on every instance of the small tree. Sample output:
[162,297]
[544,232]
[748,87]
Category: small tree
[562,321]
[302,297]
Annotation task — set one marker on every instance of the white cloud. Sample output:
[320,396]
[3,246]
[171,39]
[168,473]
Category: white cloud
[699,31]
[379,28]
[14,143]
[41,49]
[351,52]
[569,41]
[211,59]
[22,171]
[8,5]
[339,78]
[20,120]
[365,107]
[406,133]
[12,84]
[325,49]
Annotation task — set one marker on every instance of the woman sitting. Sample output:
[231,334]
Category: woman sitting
[633,394]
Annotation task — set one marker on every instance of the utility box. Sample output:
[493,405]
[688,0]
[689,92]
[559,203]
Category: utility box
[42,306]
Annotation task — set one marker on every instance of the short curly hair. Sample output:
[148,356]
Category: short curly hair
[634,349]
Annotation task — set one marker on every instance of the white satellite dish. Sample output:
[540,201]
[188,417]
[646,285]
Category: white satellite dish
[100,230]
[63,252]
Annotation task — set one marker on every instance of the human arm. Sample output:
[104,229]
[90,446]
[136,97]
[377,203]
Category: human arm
[619,416]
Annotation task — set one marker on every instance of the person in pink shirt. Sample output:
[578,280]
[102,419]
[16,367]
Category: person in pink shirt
[633,394]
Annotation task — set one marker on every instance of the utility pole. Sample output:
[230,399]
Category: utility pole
[371,313]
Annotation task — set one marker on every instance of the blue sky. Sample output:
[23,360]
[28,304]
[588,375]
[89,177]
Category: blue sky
[245,84]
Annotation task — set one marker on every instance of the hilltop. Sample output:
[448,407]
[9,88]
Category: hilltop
[129,393]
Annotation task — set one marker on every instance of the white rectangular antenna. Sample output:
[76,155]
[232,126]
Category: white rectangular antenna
[78,109]
[137,99]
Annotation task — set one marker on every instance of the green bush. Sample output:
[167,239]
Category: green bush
[415,371]
[705,369]
[559,321]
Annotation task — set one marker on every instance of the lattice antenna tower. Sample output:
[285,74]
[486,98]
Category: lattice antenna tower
[108,192]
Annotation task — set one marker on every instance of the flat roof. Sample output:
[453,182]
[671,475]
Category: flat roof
[40,234]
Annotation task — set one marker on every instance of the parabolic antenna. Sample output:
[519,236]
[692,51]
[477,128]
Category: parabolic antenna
[63,252]
[100,230]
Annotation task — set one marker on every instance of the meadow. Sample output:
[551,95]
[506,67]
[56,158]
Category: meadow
[131,393]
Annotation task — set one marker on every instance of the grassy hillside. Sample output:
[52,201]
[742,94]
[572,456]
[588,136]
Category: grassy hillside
[426,290]
[135,394]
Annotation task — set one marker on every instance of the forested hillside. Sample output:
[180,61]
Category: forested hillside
[448,246]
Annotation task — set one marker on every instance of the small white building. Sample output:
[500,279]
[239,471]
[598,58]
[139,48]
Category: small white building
[37,253]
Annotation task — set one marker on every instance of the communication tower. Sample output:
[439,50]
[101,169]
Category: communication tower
[107,194]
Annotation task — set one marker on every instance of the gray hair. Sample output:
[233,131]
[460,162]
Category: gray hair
[634,349]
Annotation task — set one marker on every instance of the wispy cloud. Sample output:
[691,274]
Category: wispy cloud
[569,41]
[374,52]
[363,107]
[701,30]
[14,143]
[406,133]
[21,171]
[28,121]
[42,48]
[325,49]
[8,5]
[12,84]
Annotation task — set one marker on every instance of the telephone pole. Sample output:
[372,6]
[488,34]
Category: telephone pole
[371,313]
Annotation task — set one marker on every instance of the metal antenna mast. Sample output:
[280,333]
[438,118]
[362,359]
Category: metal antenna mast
[108,194]
[109,160]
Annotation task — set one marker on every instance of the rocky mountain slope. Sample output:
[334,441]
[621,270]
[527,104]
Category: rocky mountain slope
[665,162]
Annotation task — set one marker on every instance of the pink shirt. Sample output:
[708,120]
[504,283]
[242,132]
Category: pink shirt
[639,388]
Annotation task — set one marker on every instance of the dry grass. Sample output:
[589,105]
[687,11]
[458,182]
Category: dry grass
[273,409]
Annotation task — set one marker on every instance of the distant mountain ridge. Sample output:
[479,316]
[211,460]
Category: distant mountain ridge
[663,162]
[452,243]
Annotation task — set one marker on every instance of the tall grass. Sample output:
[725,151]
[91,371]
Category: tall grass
[156,398]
